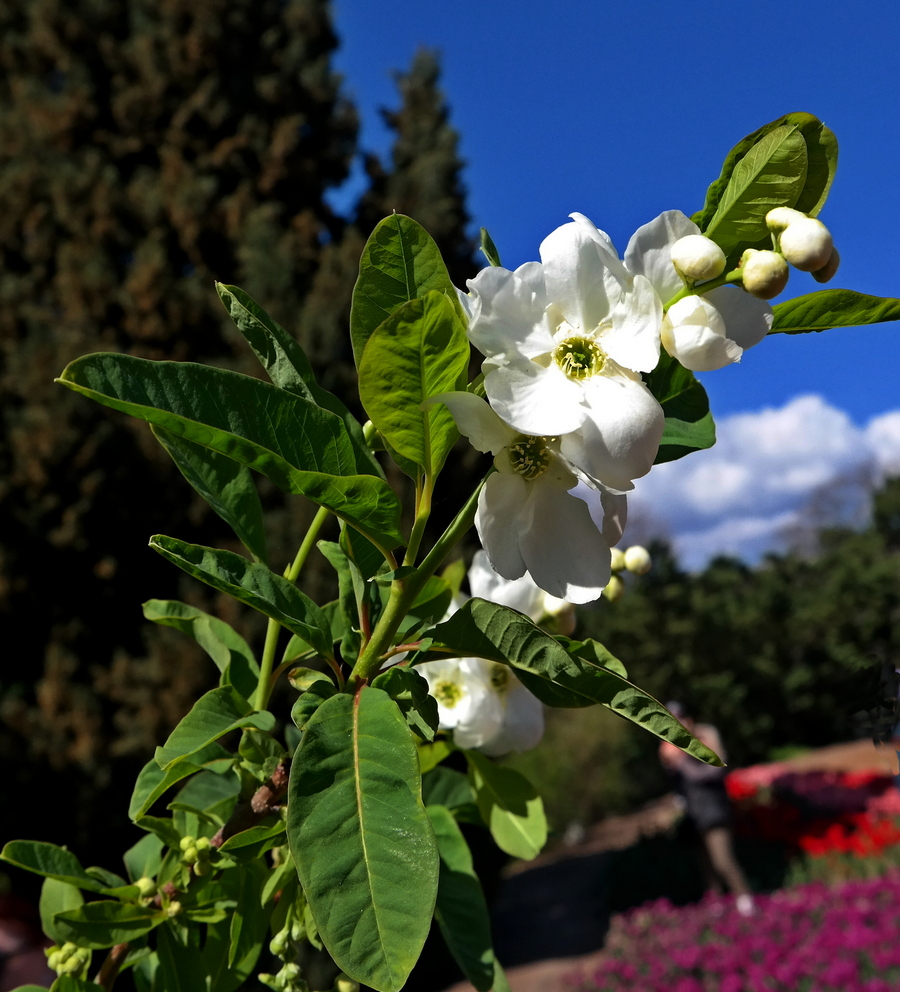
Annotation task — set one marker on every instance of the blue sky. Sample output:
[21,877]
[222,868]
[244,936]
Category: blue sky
[621,111]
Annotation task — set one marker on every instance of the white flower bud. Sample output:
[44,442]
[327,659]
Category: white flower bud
[344,984]
[828,270]
[779,218]
[637,560]
[615,589]
[765,273]
[617,560]
[807,244]
[560,613]
[697,257]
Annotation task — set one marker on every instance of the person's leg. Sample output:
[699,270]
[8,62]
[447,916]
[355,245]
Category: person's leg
[717,842]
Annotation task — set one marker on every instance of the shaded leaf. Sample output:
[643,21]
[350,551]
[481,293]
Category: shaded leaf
[509,805]
[142,860]
[410,692]
[57,897]
[51,862]
[97,925]
[152,782]
[689,424]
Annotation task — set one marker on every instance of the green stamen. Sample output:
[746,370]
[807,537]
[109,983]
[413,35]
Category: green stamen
[500,678]
[448,694]
[530,456]
[579,358]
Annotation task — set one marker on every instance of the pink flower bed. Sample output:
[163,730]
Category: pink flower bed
[813,938]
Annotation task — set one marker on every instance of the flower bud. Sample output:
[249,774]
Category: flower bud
[807,244]
[637,560]
[765,273]
[617,560]
[779,218]
[828,270]
[279,944]
[187,842]
[203,844]
[615,589]
[560,613]
[146,887]
[173,909]
[697,257]
[344,984]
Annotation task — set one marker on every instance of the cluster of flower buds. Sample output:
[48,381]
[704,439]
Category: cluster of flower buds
[634,559]
[70,959]
[196,853]
[804,242]
[288,979]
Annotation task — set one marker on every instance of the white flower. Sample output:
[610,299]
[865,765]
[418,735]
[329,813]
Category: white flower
[523,714]
[467,702]
[527,519]
[807,244]
[565,340]
[697,257]
[521,594]
[764,273]
[702,332]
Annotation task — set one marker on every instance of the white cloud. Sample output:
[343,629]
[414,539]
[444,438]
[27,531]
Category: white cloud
[742,496]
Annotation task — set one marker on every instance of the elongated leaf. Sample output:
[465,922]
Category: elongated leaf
[361,839]
[180,964]
[142,860]
[301,447]
[350,588]
[771,174]
[253,584]
[211,717]
[57,897]
[832,308]
[400,262]
[225,484]
[51,862]
[152,782]
[488,630]
[443,786]
[410,692]
[689,424]
[103,924]
[69,983]
[489,249]
[421,350]
[509,805]
[461,909]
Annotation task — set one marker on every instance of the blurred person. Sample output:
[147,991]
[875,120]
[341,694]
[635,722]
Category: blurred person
[707,808]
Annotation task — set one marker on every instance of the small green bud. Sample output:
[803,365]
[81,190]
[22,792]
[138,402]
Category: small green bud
[637,560]
[279,944]
[697,257]
[826,273]
[345,984]
[187,842]
[203,844]
[146,887]
[617,560]
[173,909]
[807,244]
[615,589]
[764,273]
[779,218]
[190,855]
[202,867]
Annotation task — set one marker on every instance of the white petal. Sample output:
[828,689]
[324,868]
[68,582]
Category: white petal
[633,339]
[615,515]
[610,255]
[476,420]
[535,400]
[519,594]
[747,319]
[562,548]
[620,436]
[465,301]
[694,333]
[497,522]
[574,271]
[649,251]
[508,312]
[523,723]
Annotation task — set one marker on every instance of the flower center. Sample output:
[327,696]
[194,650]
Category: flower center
[579,357]
[447,693]
[500,678]
[530,456]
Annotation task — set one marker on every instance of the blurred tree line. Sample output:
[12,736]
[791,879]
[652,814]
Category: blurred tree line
[800,651]
[148,148]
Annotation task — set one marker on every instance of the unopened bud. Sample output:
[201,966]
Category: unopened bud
[807,244]
[827,272]
[765,273]
[617,560]
[615,589]
[345,984]
[279,944]
[637,560]
[173,909]
[203,844]
[187,842]
[560,613]
[779,218]
[146,887]
[697,257]
[202,867]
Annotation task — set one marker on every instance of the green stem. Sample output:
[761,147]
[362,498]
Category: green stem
[291,573]
[423,512]
[735,276]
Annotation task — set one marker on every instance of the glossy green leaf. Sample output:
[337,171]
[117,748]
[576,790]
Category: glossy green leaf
[152,782]
[142,860]
[68,983]
[103,924]
[489,249]
[461,910]
[350,587]
[361,839]
[51,862]
[771,174]
[226,647]
[431,755]
[211,717]
[32,988]
[689,424]
[163,828]
[410,692]
[248,923]
[181,966]
[509,805]
[300,446]
[310,700]
[400,262]
[211,794]
[57,897]
[226,485]
[421,350]
[253,584]
[488,630]
[832,308]
[443,786]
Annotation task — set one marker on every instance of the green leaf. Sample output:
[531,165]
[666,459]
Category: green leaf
[410,692]
[103,924]
[509,805]
[771,174]
[431,755]
[489,249]
[300,446]
[226,647]
[443,786]
[350,586]
[180,963]
[142,860]
[400,262]
[253,584]
[31,988]
[152,782]
[51,862]
[832,308]
[211,717]
[421,350]
[488,630]
[225,484]
[210,793]
[689,424]
[361,839]
[461,909]
[249,921]
[68,983]
[162,827]
[57,897]
[310,700]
